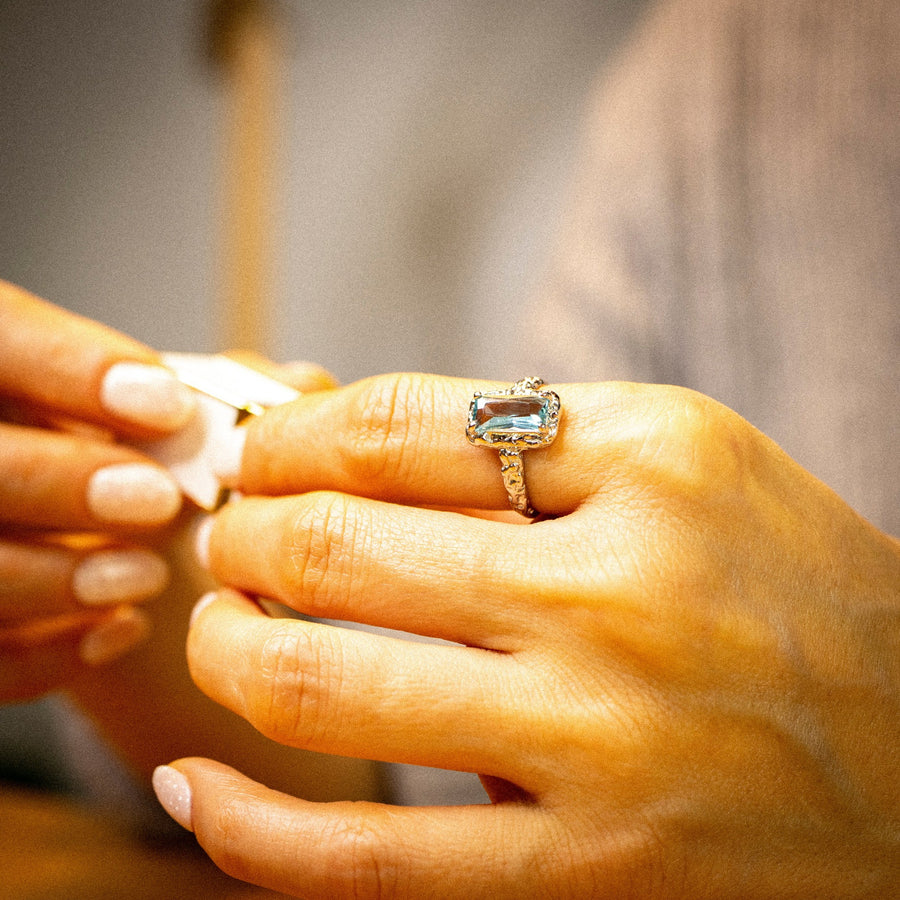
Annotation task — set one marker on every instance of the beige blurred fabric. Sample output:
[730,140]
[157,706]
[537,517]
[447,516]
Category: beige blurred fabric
[736,229]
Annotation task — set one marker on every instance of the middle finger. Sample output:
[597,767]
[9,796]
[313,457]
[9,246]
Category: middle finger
[336,556]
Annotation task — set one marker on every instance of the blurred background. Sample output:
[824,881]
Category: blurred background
[416,155]
[420,155]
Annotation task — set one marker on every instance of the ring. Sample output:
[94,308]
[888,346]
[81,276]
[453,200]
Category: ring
[523,417]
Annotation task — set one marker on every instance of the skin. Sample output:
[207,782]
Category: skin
[54,434]
[685,684]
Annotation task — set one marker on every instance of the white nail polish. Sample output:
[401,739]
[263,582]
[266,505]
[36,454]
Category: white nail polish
[147,395]
[202,532]
[201,604]
[174,794]
[119,576]
[227,455]
[114,637]
[133,493]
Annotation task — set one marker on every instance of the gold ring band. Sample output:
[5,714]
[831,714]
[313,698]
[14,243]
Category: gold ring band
[523,417]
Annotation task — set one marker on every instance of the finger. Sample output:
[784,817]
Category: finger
[336,556]
[307,377]
[359,694]
[24,413]
[63,362]
[41,580]
[364,850]
[402,438]
[47,654]
[59,481]
[301,375]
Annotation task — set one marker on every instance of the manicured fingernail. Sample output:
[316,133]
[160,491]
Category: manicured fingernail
[147,395]
[119,576]
[202,532]
[133,493]
[201,604]
[227,455]
[174,794]
[114,637]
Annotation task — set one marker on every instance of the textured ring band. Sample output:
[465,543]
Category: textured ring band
[523,417]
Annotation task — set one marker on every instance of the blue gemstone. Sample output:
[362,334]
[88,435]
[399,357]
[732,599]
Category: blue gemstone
[510,415]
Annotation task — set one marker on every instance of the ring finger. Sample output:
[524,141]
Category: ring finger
[353,693]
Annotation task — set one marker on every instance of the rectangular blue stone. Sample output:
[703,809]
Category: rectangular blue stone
[501,416]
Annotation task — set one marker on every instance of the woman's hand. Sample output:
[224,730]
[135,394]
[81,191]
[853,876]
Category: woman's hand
[79,510]
[687,685]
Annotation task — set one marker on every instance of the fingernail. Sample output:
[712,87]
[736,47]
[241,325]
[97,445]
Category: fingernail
[133,493]
[114,637]
[202,532]
[201,604]
[147,395]
[174,794]
[118,576]
[227,455]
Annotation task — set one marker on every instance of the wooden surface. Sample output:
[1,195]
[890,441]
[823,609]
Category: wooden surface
[51,849]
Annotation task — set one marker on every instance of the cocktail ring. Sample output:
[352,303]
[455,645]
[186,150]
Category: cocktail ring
[523,417]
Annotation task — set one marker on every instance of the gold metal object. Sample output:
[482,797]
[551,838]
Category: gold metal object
[523,417]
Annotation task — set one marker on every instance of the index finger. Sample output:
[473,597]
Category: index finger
[402,438]
[67,364]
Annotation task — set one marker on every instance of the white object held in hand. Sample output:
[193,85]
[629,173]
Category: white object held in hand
[227,392]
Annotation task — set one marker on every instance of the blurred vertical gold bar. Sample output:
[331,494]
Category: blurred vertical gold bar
[246,43]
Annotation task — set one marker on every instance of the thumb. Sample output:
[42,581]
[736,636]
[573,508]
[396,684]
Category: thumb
[360,850]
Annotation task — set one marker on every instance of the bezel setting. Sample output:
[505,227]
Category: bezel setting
[524,417]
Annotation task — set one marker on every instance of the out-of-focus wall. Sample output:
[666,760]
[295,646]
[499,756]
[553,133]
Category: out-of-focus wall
[108,121]
[423,161]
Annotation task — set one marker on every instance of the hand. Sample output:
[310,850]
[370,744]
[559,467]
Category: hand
[78,510]
[687,685]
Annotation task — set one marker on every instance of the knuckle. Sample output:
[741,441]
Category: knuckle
[698,449]
[381,431]
[366,870]
[299,672]
[318,559]
[225,839]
